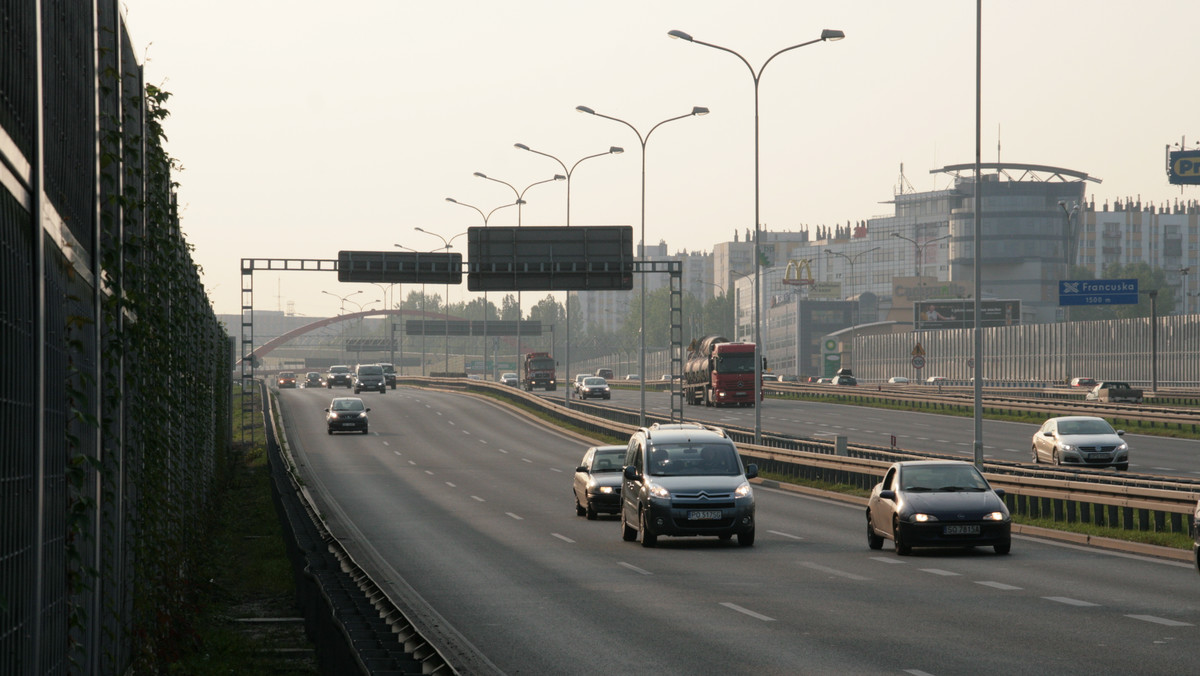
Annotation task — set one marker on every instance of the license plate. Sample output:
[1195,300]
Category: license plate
[698,515]
[1098,456]
[961,530]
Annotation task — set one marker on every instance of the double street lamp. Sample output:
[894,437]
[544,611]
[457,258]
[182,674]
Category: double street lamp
[826,35]
[642,140]
[612,150]
[446,246]
[851,260]
[520,195]
[486,216]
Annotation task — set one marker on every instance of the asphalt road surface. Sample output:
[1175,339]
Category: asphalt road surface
[463,511]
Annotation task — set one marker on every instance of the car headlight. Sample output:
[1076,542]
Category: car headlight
[607,490]
[994,516]
[922,518]
[659,492]
[1122,447]
[743,490]
[1066,447]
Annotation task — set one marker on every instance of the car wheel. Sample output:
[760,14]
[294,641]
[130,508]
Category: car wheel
[1033,450]
[1122,467]
[902,548]
[746,538]
[591,511]
[330,386]
[364,430]
[579,510]
[356,390]
[649,539]
[873,541]
[1004,547]
[383,389]
[628,533]
[330,432]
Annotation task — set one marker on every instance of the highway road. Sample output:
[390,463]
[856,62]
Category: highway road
[926,432]
[461,511]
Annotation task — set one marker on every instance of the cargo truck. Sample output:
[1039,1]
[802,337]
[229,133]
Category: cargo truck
[719,372]
[539,372]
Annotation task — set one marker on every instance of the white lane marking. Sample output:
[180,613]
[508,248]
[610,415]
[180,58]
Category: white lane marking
[555,469]
[885,559]
[1070,602]
[634,568]
[411,462]
[502,450]
[785,535]
[1164,469]
[386,444]
[832,571]
[939,571]
[564,538]
[997,585]
[527,460]
[1160,620]
[483,441]
[917,672]
[514,516]
[451,485]
[747,611]
[467,432]
[429,472]
[477,498]
[397,452]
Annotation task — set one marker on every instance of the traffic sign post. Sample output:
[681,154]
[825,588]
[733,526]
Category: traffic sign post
[918,362]
[1098,292]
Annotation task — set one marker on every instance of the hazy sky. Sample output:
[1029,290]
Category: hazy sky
[304,128]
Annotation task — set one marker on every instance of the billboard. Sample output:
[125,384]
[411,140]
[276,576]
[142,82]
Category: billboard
[1183,167]
[959,313]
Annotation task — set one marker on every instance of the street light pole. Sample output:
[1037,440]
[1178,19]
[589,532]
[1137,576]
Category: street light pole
[613,150]
[827,34]
[520,195]
[642,140]
[851,260]
[518,204]
[446,322]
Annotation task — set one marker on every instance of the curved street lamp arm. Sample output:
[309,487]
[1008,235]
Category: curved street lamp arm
[480,174]
[557,177]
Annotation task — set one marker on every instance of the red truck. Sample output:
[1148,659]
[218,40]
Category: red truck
[539,372]
[719,373]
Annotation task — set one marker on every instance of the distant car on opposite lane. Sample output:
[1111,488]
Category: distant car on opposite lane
[346,414]
[1083,382]
[510,379]
[597,483]
[578,382]
[935,380]
[1082,441]
[937,503]
[898,380]
[632,376]
[844,380]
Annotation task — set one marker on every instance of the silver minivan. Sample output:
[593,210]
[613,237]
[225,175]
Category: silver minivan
[369,377]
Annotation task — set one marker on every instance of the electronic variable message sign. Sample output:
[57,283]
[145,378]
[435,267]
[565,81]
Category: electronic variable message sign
[400,267]
[552,258]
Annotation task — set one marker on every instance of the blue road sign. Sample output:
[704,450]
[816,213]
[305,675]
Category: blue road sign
[1098,292]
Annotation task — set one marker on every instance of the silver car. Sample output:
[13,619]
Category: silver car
[1081,441]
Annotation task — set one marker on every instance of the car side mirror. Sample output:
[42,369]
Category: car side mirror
[1047,434]
[327,410]
[751,471]
[368,409]
[887,494]
[999,492]
[1120,433]
[631,473]
[581,468]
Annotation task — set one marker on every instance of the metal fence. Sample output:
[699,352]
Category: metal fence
[115,387]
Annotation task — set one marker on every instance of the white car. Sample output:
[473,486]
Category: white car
[898,380]
[1080,441]
[510,379]
[933,380]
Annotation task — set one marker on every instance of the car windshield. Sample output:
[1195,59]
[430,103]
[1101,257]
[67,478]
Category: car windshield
[542,364]
[1084,427]
[287,374]
[593,382]
[736,363]
[347,405]
[370,371]
[339,369]
[942,478]
[608,461]
[693,459]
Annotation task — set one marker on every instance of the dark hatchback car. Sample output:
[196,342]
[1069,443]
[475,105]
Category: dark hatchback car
[937,503]
[340,376]
[312,379]
[598,481]
[346,414]
[685,479]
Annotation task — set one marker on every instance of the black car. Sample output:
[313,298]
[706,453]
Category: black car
[389,375]
[594,387]
[313,379]
[346,414]
[341,376]
[598,481]
[937,503]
